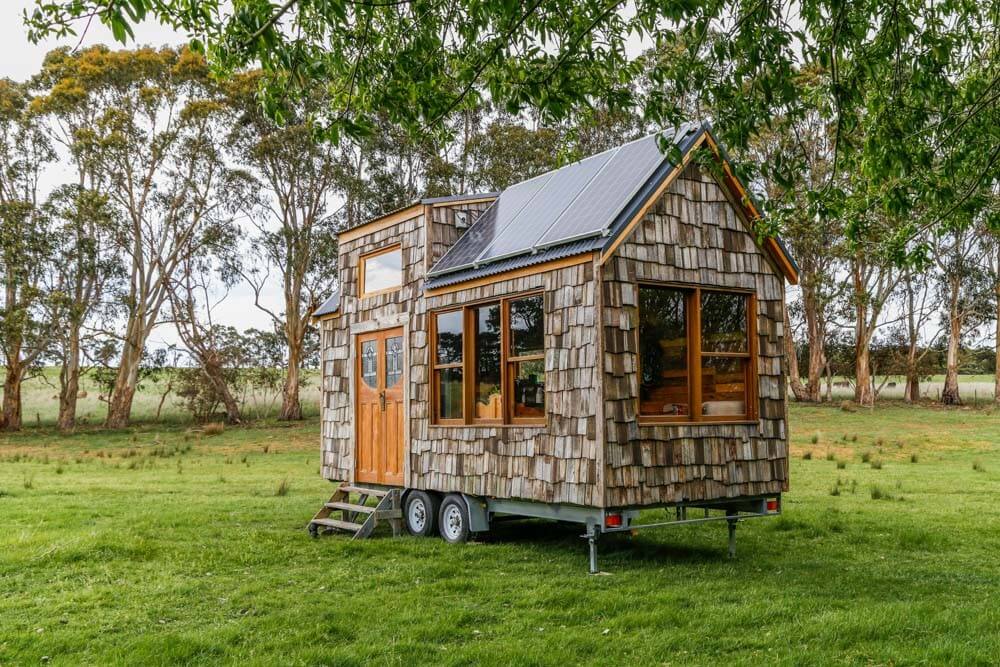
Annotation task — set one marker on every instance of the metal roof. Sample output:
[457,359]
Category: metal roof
[578,208]
[426,200]
[329,306]
[582,200]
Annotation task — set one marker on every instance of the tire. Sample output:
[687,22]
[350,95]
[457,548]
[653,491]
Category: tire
[420,511]
[453,519]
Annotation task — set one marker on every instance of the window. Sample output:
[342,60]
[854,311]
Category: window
[695,354]
[381,271]
[500,346]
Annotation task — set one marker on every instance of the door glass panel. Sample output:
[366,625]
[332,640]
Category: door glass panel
[487,340]
[393,360]
[527,330]
[663,386]
[529,388]
[449,337]
[723,322]
[369,363]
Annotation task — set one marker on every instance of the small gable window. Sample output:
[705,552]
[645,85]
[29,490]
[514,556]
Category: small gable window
[489,363]
[381,271]
[695,354]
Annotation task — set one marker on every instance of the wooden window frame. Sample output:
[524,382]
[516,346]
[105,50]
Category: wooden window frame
[435,389]
[692,316]
[375,253]
[468,365]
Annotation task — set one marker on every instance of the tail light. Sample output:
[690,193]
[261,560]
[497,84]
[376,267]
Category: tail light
[613,520]
[772,504]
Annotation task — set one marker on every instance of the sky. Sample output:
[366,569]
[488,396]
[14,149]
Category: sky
[20,59]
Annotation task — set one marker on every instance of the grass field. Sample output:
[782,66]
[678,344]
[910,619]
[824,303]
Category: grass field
[164,545]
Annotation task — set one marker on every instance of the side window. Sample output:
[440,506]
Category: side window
[526,358]
[498,348]
[695,358]
[448,366]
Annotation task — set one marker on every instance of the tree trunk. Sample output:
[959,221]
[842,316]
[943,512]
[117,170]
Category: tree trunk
[814,339]
[996,380]
[864,393]
[69,381]
[911,392]
[11,419]
[792,360]
[291,408]
[213,372]
[949,395]
[126,381]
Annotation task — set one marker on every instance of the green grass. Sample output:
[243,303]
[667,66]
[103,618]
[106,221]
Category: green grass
[161,545]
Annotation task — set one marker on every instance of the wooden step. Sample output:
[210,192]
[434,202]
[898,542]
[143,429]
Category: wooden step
[336,523]
[364,492]
[350,507]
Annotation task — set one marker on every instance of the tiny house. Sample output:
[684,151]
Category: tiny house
[591,342]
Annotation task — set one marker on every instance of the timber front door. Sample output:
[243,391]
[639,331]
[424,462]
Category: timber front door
[379,424]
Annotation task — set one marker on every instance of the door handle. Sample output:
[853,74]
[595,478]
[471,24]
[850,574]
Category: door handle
[381,400]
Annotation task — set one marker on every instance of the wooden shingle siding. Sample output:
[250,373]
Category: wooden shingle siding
[692,235]
[555,462]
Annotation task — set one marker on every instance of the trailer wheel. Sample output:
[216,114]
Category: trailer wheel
[420,512]
[453,520]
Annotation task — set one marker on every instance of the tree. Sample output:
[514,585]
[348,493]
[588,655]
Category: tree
[86,268]
[891,68]
[293,228]
[160,151]
[26,248]
[192,301]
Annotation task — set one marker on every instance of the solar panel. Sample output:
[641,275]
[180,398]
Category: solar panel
[596,207]
[491,224]
[559,192]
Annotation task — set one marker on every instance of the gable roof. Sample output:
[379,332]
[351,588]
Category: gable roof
[582,207]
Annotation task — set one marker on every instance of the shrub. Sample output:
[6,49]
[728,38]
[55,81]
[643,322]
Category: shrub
[877,464]
[815,438]
[214,428]
[830,456]
[841,465]
[913,458]
[847,406]
[29,482]
[978,467]
[835,491]
[283,488]
[866,457]
[807,456]
[879,494]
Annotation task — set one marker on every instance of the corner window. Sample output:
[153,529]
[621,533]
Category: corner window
[695,359]
[489,363]
[381,271]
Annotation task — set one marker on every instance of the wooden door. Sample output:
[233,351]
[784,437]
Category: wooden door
[379,423]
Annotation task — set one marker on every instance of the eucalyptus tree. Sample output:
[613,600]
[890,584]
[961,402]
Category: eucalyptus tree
[159,154]
[26,248]
[890,67]
[294,177]
[88,269]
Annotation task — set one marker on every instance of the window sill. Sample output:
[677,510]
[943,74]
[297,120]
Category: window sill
[652,421]
[538,425]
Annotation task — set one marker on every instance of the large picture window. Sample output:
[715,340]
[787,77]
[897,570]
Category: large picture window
[489,363]
[695,354]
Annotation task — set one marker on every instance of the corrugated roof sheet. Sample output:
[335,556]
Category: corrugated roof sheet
[329,306]
[581,200]
[426,200]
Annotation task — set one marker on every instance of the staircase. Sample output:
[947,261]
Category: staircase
[358,515]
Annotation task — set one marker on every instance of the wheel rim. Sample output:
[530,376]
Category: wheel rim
[453,522]
[417,515]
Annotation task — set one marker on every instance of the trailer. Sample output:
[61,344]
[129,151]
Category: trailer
[595,341]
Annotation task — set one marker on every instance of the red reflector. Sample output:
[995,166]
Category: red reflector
[613,520]
[772,505]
